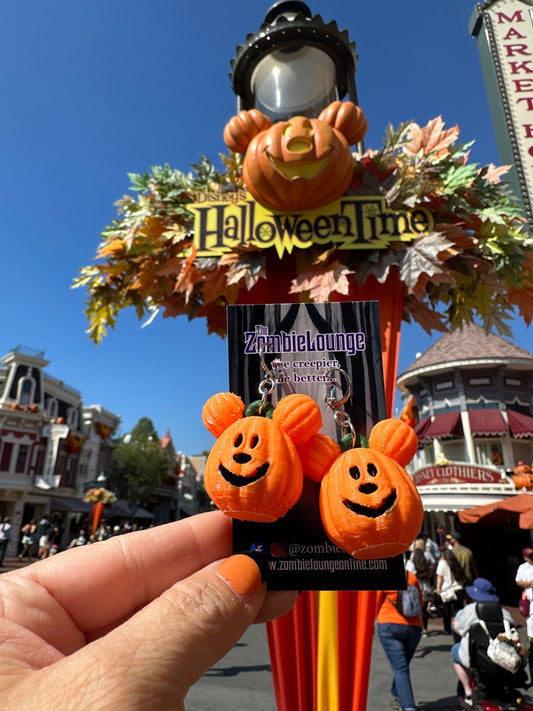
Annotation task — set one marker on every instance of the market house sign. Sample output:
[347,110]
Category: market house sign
[456,474]
[351,222]
[506,50]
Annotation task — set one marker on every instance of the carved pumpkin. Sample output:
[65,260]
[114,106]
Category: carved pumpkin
[301,163]
[253,472]
[522,468]
[241,129]
[220,411]
[395,438]
[369,505]
[298,416]
[317,455]
[523,481]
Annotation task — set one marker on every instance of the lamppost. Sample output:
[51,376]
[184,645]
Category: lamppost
[297,65]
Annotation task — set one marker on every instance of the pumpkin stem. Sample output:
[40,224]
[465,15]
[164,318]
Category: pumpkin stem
[254,409]
[347,442]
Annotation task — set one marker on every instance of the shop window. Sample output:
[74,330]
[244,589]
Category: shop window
[26,391]
[444,385]
[22,459]
[479,380]
[488,453]
[39,460]
[72,418]
[454,450]
[5,459]
[68,474]
[60,463]
[522,452]
[52,408]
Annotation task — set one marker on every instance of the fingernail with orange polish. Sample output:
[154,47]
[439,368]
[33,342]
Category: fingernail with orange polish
[242,573]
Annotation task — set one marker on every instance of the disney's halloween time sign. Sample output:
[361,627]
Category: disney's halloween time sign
[351,222]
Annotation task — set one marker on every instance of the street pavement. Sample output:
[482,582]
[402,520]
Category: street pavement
[242,680]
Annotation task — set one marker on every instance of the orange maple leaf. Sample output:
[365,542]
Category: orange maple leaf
[216,286]
[456,233]
[321,283]
[523,298]
[174,306]
[153,227]
[112,248]
[188,276]
[424,316]
[170,267]
[431,138]
[215,315]
[494,173]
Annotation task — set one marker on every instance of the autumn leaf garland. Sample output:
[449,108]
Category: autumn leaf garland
[477,262]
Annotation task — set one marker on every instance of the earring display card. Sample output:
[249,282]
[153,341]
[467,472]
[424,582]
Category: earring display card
[312,341]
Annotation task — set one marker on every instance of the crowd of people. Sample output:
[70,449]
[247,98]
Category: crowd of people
[447,585]
[41,540]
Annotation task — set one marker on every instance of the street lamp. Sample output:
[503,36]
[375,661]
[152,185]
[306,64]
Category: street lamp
[295,64]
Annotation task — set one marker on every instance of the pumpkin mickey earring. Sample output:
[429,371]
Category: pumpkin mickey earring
[253,472]
[369,505]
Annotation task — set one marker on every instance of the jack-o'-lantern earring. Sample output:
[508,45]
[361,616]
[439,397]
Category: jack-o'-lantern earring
[369,505]
[253,472]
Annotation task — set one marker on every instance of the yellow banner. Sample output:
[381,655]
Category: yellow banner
[352,222]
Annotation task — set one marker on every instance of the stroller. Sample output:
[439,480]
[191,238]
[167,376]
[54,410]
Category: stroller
[493,688]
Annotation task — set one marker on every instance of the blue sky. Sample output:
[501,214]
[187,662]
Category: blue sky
[92,91]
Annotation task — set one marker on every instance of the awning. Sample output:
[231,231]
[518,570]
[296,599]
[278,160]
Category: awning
[62,503]
[443,425]
[520,506]
[487,423]
[122,508]
[520,425]
[422,426]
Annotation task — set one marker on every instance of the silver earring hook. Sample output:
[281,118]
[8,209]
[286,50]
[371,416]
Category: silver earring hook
[340,415]
[271,378]
[331,393]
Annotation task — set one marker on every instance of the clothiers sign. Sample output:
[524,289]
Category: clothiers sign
[361,222]
[509,36]
[456,474]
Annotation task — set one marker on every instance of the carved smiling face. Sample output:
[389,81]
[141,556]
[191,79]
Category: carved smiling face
[298,165]
[369,505]
[253,472]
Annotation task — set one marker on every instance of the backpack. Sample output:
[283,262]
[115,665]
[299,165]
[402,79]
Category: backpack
[408,602]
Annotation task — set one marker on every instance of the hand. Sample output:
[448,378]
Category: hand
[129,623]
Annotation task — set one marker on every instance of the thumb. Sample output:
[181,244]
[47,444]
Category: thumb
[158,654]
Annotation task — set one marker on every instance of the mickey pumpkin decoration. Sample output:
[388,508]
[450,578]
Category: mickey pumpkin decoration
[301,163]
[253,472]
[369,505]
[523,476]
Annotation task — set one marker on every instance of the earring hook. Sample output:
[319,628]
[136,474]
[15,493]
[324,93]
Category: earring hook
[340,415]
[272,376]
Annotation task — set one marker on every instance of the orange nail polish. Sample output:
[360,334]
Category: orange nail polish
[242,573]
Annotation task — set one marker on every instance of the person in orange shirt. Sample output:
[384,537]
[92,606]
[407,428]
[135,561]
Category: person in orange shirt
[399,637]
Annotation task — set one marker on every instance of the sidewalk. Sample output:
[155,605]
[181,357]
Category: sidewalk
[14,564]
[432,675]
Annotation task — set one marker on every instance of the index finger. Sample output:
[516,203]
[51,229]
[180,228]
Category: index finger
[103,583]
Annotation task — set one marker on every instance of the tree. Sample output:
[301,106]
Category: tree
[143,431]
[139,465]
